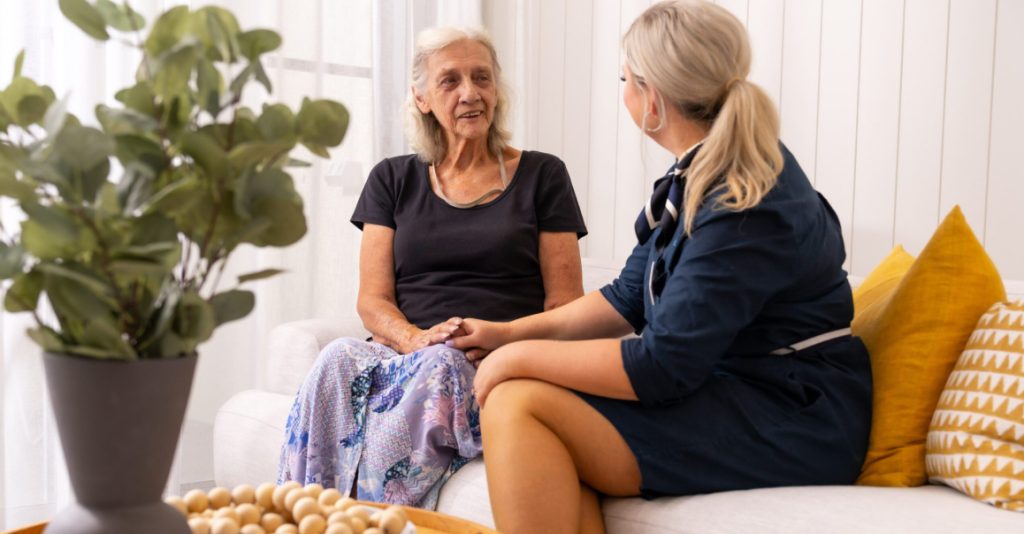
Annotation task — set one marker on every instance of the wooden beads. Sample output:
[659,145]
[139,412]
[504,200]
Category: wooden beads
[286,509]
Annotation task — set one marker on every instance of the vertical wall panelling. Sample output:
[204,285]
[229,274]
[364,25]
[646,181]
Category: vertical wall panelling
[921,117]
[604,110]
[551,75]
[877,123]
[578,37]
[1006,167]
[764,24]
[837,108]
[968,109]
[630,179]
[801,49]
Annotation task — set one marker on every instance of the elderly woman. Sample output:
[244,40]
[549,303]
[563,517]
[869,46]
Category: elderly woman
[745,374]
[466,226]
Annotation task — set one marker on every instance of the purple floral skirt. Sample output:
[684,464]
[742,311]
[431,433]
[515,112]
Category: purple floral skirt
[401,423]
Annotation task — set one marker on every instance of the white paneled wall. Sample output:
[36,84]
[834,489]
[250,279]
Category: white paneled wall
[896,109]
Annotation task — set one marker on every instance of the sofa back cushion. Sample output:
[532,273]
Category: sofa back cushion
[976,440]
[915,337]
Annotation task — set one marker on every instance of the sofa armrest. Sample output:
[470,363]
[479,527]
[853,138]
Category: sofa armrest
[294,346]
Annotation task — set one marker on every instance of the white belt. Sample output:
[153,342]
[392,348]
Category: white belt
[810,342]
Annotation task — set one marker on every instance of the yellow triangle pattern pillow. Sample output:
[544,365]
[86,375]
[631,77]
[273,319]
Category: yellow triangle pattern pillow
[976,439]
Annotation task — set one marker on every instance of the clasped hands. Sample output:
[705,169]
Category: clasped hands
[477,339]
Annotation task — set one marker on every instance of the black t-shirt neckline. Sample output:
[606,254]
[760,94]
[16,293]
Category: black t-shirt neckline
[511,183]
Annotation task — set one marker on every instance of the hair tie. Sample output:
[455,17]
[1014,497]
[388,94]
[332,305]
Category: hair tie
[729,84]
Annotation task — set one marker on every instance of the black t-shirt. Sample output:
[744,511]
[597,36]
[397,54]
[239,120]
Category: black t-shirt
[475,262]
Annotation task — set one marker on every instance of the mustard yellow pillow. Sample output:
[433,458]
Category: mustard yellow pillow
[976,439]
[914,341]
[882,280]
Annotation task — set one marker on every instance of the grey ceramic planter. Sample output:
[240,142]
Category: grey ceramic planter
[119,423]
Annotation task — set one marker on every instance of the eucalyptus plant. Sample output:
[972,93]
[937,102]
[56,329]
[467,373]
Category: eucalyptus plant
[128,226]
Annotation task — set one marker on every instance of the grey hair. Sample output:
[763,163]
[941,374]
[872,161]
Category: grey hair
[425,134]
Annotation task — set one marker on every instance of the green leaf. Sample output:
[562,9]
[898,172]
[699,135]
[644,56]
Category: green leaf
[259,275]
[16,189]
[173,70]
[205,151]
[18,62]
[321,123]
[218,30]
[167,31]
[261,76]
[254,43]
[251,153]
[83,147]
[270,196]
[86,17]
[50,233]
[47,338]
[24,101]
[23,295]
[209,84]
[12,260]
[139,97]
[82,276]
[292,162]
[161,315]
[276,123]
[232,305]
[241,79]
[194,318]
[107,202]
[124,121]
[120,17]
[141,149]
[56,116]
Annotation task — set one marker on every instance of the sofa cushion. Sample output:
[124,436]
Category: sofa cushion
[247,436]
[294,347]
[976,440]
[918,335]
[880,283]
[797,510]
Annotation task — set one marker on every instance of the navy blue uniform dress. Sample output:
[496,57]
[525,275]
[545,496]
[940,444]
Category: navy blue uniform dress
[716,411]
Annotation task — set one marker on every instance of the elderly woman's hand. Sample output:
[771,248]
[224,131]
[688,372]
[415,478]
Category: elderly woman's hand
[434,335]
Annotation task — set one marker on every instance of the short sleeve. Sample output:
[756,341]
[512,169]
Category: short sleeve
[557,208]
[729,267]
[376,203]
[625,293]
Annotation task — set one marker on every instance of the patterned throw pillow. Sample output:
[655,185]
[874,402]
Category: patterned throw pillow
[976,440]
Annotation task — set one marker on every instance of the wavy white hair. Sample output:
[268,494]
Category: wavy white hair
[425,133]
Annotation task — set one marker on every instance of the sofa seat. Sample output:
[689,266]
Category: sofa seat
[795,510]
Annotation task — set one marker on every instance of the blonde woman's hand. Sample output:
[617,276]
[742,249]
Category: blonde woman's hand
[478,338]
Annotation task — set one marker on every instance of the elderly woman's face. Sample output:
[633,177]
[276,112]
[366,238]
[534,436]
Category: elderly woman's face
[461,90]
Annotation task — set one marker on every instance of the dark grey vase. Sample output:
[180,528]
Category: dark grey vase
[119,423]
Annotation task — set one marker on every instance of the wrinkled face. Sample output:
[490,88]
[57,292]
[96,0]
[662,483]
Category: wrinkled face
[460,90]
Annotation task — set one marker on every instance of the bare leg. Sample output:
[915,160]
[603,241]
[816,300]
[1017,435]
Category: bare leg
[541,441]
[591,520]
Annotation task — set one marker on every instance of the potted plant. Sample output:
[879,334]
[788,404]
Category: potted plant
[126,231]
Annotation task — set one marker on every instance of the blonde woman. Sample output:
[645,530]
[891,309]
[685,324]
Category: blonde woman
[744,373]
[467,225]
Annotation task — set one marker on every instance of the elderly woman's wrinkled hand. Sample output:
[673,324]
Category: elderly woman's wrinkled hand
[437,334]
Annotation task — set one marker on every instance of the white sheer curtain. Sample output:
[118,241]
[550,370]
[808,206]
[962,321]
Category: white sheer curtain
[353,51]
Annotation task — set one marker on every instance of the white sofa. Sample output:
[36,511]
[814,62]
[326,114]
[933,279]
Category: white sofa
[249,429]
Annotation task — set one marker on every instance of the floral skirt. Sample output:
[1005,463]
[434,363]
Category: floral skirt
[402,424]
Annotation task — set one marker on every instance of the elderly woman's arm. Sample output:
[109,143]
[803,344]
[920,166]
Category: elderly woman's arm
[560,268]
[377,305]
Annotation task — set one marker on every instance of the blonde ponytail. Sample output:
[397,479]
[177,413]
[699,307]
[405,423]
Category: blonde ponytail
[697,56]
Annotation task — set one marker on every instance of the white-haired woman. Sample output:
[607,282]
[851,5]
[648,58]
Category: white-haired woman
[744,374]
[466,226]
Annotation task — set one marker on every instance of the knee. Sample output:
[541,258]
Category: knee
[444,357]
[511,400]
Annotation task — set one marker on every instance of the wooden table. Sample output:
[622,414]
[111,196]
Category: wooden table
[426,522]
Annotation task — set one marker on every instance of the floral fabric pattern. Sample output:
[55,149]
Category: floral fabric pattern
[401,423]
